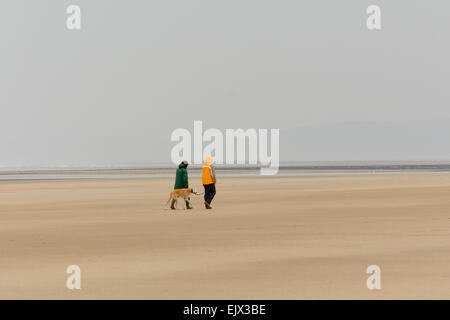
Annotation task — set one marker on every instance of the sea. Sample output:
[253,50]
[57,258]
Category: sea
[165,170]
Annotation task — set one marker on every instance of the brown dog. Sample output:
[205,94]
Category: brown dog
[181,193]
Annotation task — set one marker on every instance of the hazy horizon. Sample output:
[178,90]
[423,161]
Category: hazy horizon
[113,92]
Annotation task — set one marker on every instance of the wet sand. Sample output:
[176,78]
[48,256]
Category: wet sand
[266,238]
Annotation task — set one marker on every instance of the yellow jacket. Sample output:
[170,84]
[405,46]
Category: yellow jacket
[208,174]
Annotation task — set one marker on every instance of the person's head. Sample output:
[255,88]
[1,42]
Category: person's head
[185,163]
[209,160]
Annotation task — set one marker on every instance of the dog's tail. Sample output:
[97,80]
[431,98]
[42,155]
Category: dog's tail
[170,197]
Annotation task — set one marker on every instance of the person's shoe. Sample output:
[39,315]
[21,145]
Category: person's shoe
[207,206]
[172,205]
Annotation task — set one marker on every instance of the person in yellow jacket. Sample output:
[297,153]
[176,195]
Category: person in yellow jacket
[209,181]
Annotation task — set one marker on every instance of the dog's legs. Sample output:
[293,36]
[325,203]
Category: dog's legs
[188,202]
[170,198]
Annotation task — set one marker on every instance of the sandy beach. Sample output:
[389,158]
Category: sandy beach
[266,238]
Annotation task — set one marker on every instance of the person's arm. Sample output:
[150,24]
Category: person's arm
[213,173]
[185,179]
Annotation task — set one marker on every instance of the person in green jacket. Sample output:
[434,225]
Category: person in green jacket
[181,182]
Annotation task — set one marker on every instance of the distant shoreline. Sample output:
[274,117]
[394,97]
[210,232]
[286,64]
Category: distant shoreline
[319,169]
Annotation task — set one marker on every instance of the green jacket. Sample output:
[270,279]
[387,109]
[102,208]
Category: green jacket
[181,180]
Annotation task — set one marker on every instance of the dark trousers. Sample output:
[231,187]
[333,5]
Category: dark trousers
[210,192]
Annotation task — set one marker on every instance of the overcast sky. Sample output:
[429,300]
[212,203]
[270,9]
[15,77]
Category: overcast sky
[114,91]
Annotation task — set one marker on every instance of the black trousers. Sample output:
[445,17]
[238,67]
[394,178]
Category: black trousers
[210,192]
